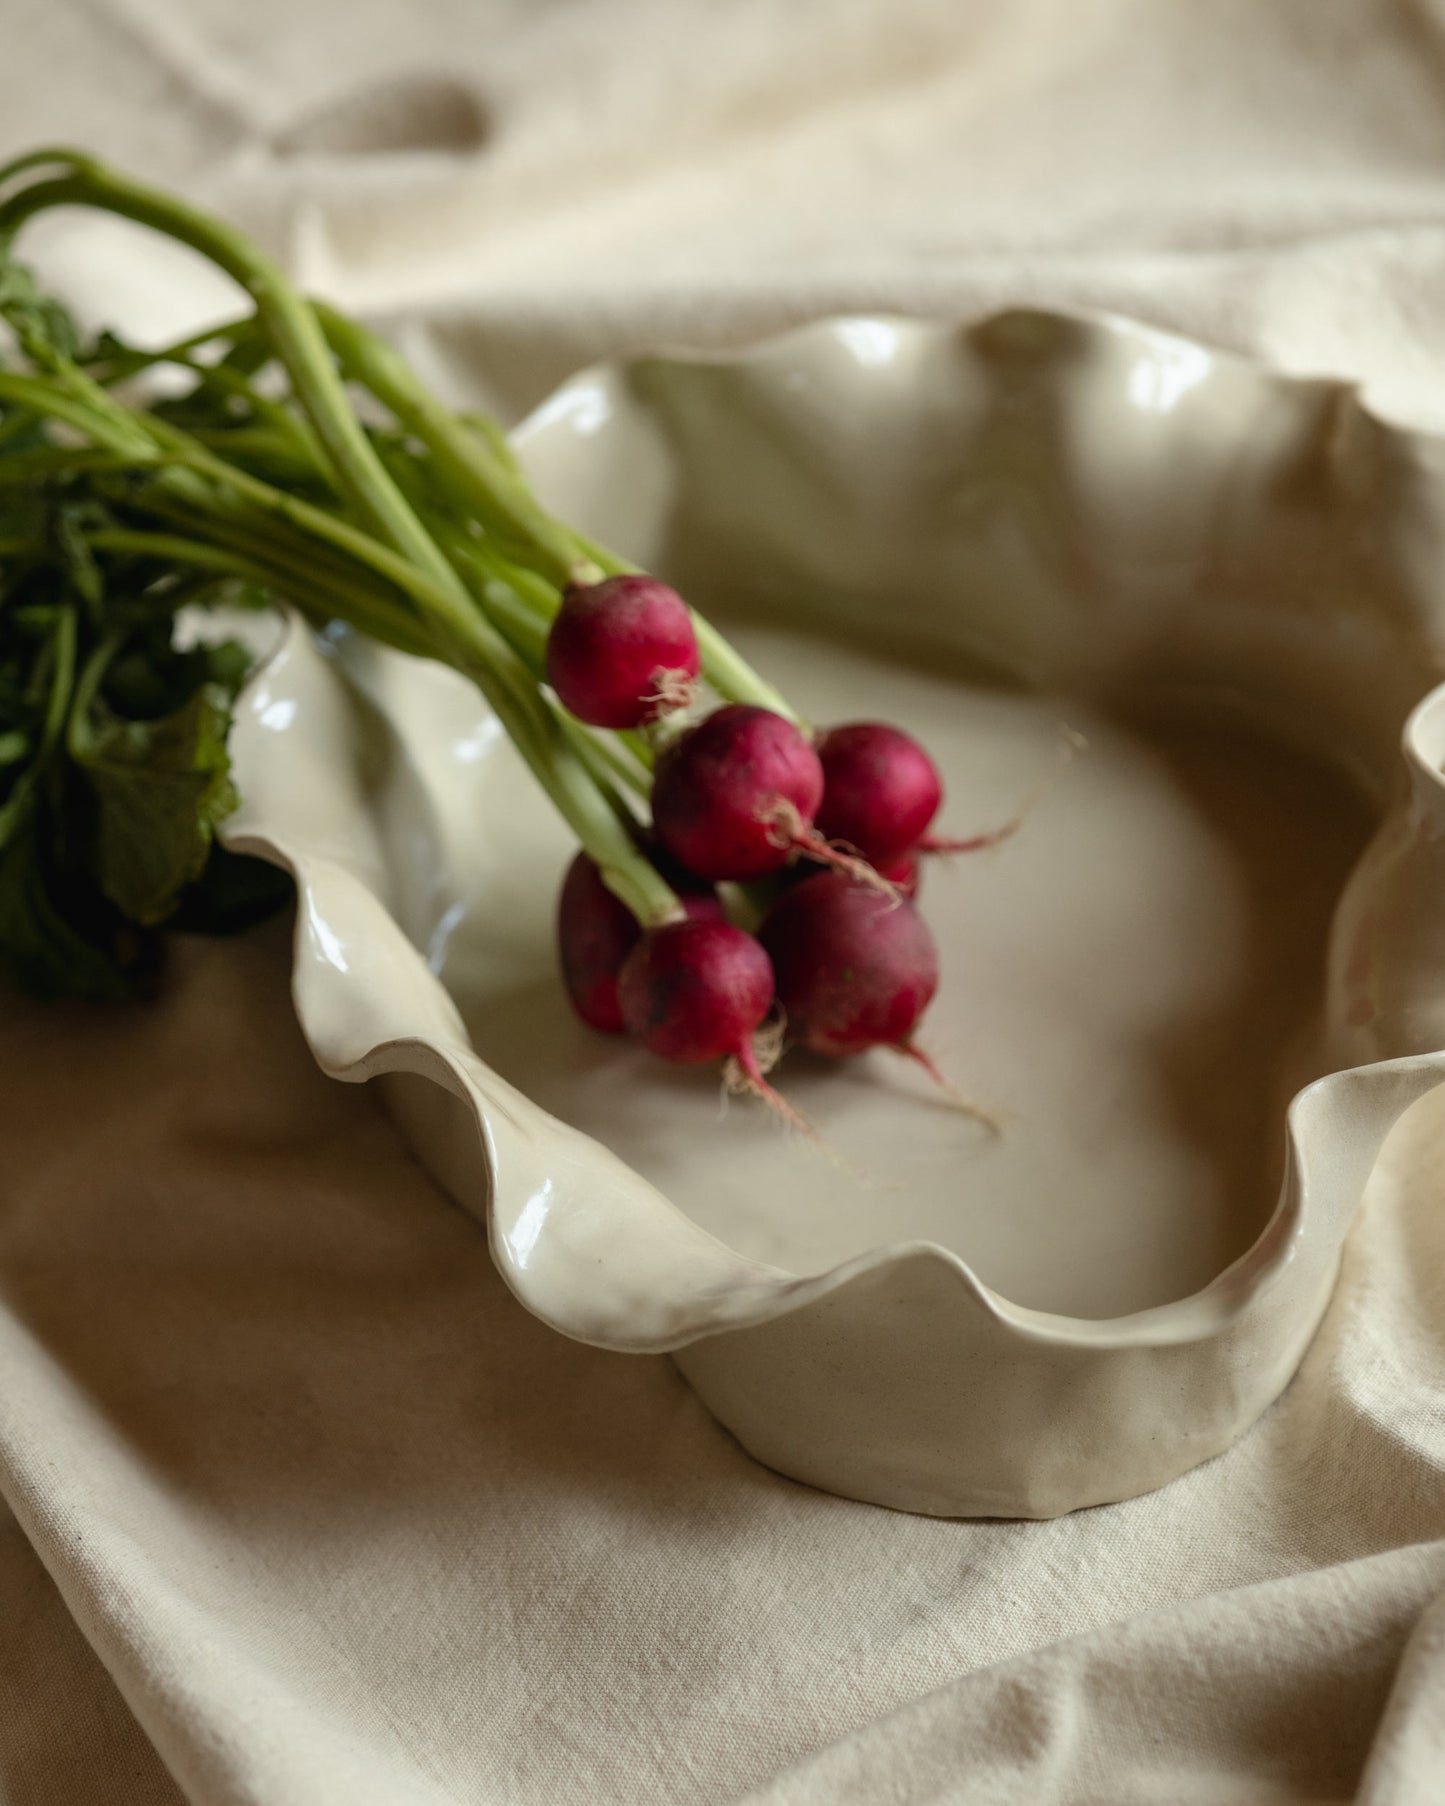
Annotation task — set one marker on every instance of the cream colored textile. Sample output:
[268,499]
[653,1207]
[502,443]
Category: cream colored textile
[305,1508]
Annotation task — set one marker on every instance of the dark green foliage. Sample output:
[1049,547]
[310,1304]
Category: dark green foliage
[114,773]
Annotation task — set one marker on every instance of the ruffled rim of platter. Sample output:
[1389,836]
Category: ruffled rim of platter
[633,1272]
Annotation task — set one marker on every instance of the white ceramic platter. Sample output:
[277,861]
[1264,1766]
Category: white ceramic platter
[1233,586]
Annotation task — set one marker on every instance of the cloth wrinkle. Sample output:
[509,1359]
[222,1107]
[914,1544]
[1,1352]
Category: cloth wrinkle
[297,1504]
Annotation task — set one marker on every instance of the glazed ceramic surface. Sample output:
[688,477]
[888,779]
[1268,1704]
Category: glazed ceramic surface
[1228,584]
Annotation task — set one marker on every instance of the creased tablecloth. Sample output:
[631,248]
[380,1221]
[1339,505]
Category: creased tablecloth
[299,1506]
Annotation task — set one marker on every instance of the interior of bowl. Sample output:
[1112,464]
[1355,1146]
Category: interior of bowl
[988,537]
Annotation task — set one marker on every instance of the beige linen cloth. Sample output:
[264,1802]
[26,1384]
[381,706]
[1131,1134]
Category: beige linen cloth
[300,1507]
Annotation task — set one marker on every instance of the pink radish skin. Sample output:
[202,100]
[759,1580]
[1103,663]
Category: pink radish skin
[853,970]
[905,874]
[696,991]
[595,934]
[736,795]
[621,652]
[699,991]
[881,790]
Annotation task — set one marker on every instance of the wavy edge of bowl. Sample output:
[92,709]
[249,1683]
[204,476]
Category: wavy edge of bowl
[1373,1095]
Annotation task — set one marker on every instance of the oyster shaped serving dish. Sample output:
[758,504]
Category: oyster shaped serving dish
[1198,986]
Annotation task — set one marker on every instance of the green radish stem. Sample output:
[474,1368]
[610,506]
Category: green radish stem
[502,497]
[298,338]
[469,459]
[362,610]
[463,460]
[457,629]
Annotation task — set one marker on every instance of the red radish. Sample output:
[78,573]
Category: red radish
[853,969]
[595,933]
[732,796]
[736,795]
[697,991]
[881,789]
[904,873]
[622,652]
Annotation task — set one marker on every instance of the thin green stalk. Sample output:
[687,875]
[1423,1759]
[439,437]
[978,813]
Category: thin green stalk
[512,617]
[475,562]
[487,658]
[460,452]
[292,428]
[610,563]
[590,751]
[73,397]
[305,338]
[526,633]
[528,638]
[248,531]
[299,340]
[292,566]
[46,397]
[88,683]
[120,366]
[499,494]
[733,677]
[178,461]
[257,451]
[522,623]
[67,461]
[63,646]
[462,633]
[179,548]
[493,436]
[178,458]
[603,752]
[544,744]
[56,670]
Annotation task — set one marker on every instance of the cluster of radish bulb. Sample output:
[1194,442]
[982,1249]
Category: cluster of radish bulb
[836,820]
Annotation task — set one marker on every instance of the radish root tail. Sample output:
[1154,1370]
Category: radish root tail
[671,690]
[964,1104]
[1069,743]
[768,1041]
[786,828]
[743,1075]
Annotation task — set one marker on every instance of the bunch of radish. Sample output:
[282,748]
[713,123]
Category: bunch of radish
[292,452]
[841,960]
